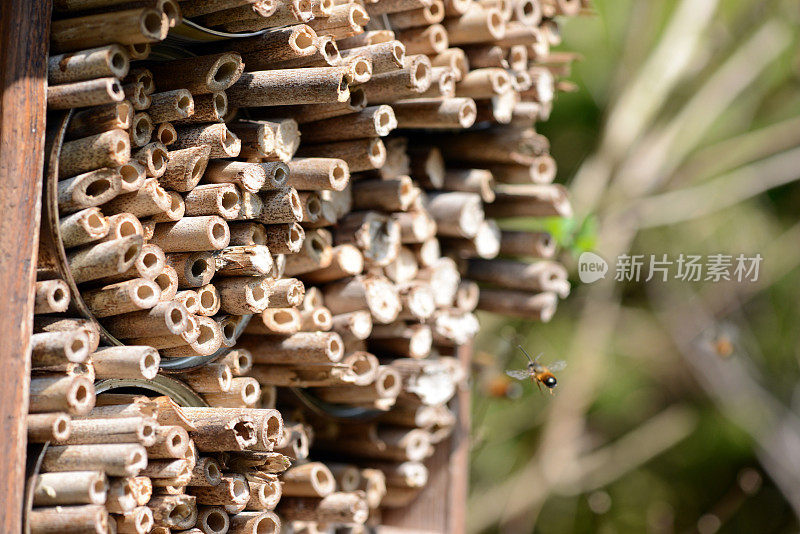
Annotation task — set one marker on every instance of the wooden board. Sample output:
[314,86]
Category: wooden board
[441,506]
[24,34]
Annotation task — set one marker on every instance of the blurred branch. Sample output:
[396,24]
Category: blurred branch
[722,192]
[644,96]
[660,153]
[733,386]
[732,153]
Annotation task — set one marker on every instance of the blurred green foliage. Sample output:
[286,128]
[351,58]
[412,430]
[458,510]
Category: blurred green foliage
[699,483]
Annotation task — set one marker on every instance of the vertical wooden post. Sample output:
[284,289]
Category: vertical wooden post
[441,507]
[24,36]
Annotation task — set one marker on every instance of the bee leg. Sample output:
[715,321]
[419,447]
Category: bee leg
[538,385]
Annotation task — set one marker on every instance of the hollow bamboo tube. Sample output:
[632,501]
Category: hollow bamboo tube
[476,25]
[87,190]
[45,427]
[345,20]
[268,422]
[43,323]
[435,113]
[338,507]
[211,107]
[174,511]
[52,296]
[175,211]
[317,319]
[478,181]
[209,379]
[255,523]
[353,325]
[484,56]
[396,6]
[456,214]
[284,238]
[467,296]
[244,392]
[317,174]
[122,225]
[83,94]
[213,199]
[223,142]
[276,46]
[151,199]
[276,321]
[171,442]
[485,244]
[208,299]
[382,392]
[391,194]
[135,93]
[305,347]
[107,149]
[192,234]
[484,83]
[359,155]
[241,295]
[415,226]
[104,259]
[212,520]
[163,319]
[413,18]
[185,168]
[90,518]
[538,276]
[530,201]
[137,521]
[280,207]
[199,74]
[385,57]
[315,112]
[533,244]
[141,130]
[403,268]
[114,430]
[132,26]
[209,339]
[240,361]
[76,487]
[376,121]
[171,105]
[123,297]
[409,82]
[281,13]
[148,265]
[166,134]
[443,83]
[431,39]
[314,254]
[248,260]
[99,119]
[126,362]
[114,459]
[346,261]
[107,61]
[284,292]
[167,472]
[232,489]
[55,348]
[313,479]
[206,472]
[534,306]
[264,494]
[316,85]
[153,157]
[258,138]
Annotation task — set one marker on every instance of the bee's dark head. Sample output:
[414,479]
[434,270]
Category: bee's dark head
[550,382]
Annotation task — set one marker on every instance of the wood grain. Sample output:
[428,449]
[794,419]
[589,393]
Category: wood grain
[24,30]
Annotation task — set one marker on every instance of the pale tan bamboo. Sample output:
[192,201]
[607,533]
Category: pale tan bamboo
[123,297]
[409,82]
[258,139]
[135,93]
[315,112]
[233,489]
[530,201]
[276,46]
[223,142]
[76,487]
[151,199]
[52,296]
[86,190]
[185,168]
[114,459]
[280,207]
[126,362]
[192,234]
[431,39]
[533,306]
[317,85]
[104,259]
[375,121]
[345,20]
[255,523]
[174,511]
[305,347]
[377,236]
[124,27]
[137,521]
[476,25]
[456,214]
[99,119]
[43,427]
[284,238]
[164,318]
[338,507]
[435,113]
[83,94]
[396,6]
[312,479]
[107,149]
[90,518]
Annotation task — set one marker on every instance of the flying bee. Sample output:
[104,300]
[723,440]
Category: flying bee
[538,373]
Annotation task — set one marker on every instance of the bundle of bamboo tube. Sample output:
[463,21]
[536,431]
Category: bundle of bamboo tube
[243,210]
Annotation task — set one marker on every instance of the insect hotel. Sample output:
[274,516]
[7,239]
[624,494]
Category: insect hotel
[243,245]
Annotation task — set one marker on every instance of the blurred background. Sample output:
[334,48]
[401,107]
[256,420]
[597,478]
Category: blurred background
[679,410]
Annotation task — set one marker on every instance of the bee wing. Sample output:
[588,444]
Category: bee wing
[519,374]
[557,366]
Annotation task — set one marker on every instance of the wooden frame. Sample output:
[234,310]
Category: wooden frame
[24,37]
